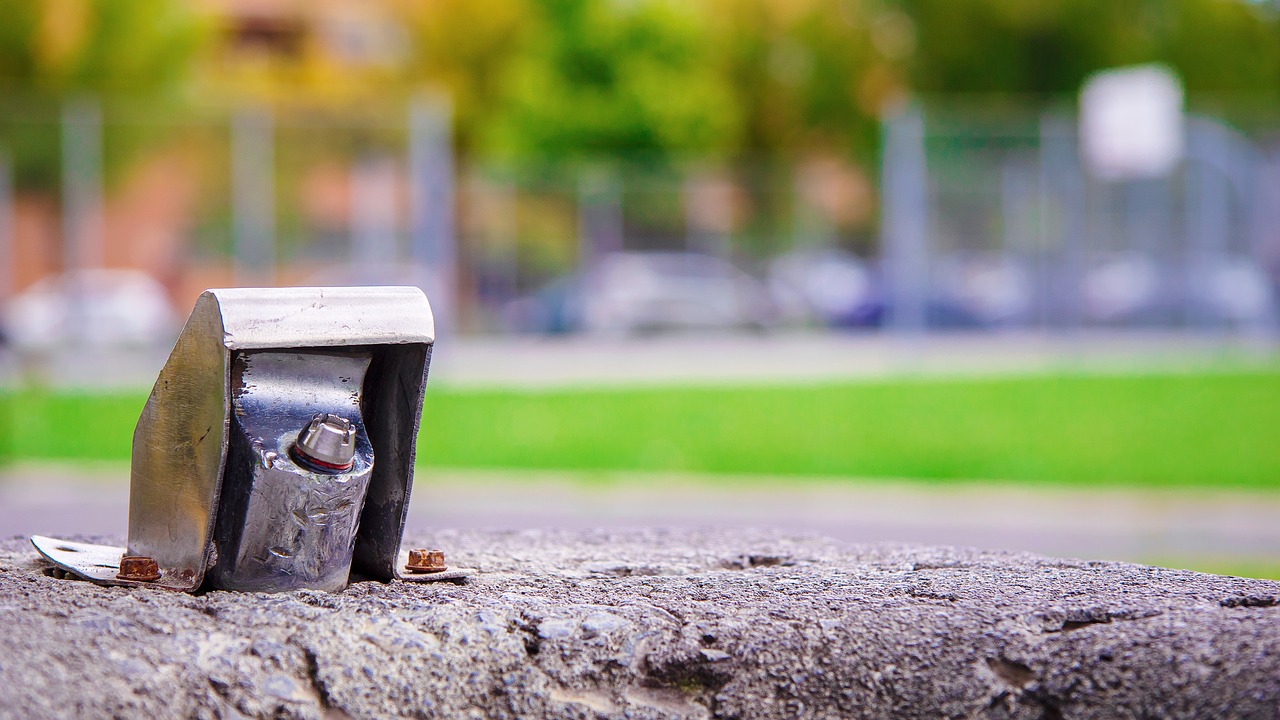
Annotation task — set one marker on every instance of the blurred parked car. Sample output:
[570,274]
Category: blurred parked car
[982,289]
[1122,288]
[552,310]
[1236,290]
[829,286]
[102,308]
[1133,289]
[641,292]
[837,289]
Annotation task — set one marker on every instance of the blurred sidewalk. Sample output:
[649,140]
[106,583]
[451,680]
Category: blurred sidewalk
[1200,529]
[687,359]
[812,356]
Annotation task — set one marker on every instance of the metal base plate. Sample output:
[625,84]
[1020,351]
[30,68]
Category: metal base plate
[95,563]
[452,574]
[100,564]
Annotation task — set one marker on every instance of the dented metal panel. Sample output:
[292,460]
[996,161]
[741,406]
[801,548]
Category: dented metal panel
[179,446]
[284,524]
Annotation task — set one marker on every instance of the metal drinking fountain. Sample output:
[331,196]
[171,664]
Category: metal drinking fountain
[276,449]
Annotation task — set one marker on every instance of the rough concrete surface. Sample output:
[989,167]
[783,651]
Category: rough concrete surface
[657,624]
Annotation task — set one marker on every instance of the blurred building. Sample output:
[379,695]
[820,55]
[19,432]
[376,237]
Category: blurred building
[296,56]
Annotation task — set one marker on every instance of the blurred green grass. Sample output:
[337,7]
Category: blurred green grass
[1202,429]
[1237,567]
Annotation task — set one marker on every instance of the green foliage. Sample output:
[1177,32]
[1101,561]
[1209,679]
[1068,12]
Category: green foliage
[1047,48]
[658,79]
[52,53]
[20,41]
[468,49]
[644,80]
[807,77]
[609,78]
[128,47]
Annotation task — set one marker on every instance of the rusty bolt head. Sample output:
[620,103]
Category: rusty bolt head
[138,567]
[426,561]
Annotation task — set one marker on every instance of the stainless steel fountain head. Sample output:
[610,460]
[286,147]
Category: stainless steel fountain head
[276,449]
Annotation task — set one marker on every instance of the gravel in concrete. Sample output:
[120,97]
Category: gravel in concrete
[657,624]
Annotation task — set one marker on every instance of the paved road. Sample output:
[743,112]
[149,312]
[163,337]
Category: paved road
[1195,529]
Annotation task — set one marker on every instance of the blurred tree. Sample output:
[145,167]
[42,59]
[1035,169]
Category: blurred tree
[635,79]
[806,74]
[569,79]
[1047,49]
[1223,48]
[467,49]
[53,51]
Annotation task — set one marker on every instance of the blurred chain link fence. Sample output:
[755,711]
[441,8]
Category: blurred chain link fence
[993,220]
[978,218]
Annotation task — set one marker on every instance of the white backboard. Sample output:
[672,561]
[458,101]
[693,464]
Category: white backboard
[1131,123]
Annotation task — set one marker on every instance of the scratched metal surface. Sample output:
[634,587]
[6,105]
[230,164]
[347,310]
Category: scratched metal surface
[258,319]
[392,411]
[282,526]
[179,447]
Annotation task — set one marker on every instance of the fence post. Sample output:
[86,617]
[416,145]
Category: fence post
[81,203]
[599,216]
[905,222]
[1207,215]
[1265,238]
[1225,155]
[6,228]
[1061,177]
[253,187]
[433,243]
[82,184]
[373,219]
[505,257]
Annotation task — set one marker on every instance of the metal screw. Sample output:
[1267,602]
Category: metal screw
[426,561]
[139,567]
[327,443]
